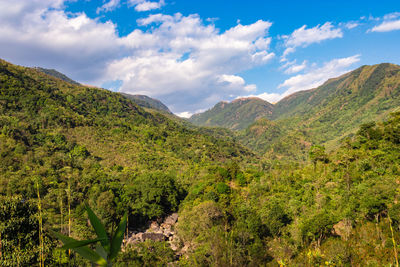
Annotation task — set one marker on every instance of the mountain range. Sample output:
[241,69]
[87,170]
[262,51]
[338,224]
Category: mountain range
[322,115]
[141,100]
[265,194]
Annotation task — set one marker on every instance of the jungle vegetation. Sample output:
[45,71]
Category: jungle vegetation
[292,203]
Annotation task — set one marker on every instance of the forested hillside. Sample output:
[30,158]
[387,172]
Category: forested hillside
[326,114]
[147,102]
[72,144]
[236,115]
[336,108]
[63,146]
[56,74]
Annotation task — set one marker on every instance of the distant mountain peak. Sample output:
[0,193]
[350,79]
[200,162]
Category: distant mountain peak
[57,74]
[235,115]
[243,99]
[147,102]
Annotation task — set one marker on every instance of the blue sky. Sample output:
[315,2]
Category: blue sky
[193,54]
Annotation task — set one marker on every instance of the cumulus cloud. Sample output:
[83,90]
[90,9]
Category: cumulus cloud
[304,37]
[293,68]
[108,6]
[143,5]
[390,22]
[390,16]
[387,26]
[185,114]
[40,33]
[271,98]
[311,79]
[318,76]
[188,64]
[351,25]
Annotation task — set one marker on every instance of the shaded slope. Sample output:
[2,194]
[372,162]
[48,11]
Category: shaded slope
[36,108]
[337,107]
[58,75]
[328,113]
[235,115]
[147,102]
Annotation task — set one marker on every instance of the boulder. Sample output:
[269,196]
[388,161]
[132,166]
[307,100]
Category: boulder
[153,236]
[343,229]
[171,219]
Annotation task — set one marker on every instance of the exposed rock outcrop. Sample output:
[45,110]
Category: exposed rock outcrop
[156,231]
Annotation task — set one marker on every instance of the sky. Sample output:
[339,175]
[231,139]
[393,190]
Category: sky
[193,54]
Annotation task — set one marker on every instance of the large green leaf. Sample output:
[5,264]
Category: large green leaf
[99,228]
[77,244]
[101,251]
[85,252]
[118,237]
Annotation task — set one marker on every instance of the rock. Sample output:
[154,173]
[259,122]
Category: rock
[154,226]
[158,231]
[153,236]
[139,236]
[343,229]
[171,219]
[174,246]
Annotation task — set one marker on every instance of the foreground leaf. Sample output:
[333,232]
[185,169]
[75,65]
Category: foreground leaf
[85,252]
[99,228]
[77,243]
[118,237]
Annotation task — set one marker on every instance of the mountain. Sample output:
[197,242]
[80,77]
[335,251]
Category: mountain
[236,115]
[336,108]
[97,145]
[65,146]
[332,111]
[147,102]
[141,100]
[35,104]
[56,74]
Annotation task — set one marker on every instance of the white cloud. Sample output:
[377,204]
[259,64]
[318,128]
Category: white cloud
[304,37]
[231,80]
[250,88]
[13,12]
[143,5]
[390,16]
[318,76]
[108,6]
[236,82]
[185,114]
[139,5]
[296,68]
[311,79]
[190,65]
[271,98]
[387,26]
[39,33]
[179,59]
[351,25]
[389,23]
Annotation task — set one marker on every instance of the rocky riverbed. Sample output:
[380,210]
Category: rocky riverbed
[158,231]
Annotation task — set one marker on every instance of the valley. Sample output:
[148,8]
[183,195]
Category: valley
[310,180]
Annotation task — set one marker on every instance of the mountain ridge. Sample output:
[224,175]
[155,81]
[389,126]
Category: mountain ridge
[57,74]
[147,102]
[286,106]
[236,115]
[330,112]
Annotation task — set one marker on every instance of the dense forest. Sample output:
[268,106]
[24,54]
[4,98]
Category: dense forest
[323,115]
[64,146]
